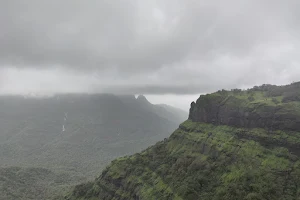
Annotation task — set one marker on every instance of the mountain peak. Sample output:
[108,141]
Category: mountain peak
[142,99]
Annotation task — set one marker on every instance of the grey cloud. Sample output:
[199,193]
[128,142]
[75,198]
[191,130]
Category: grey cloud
[155,47]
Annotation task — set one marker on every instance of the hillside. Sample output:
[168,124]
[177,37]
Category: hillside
[235,145]
[33,183]
[77,134]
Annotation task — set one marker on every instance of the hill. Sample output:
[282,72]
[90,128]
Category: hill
[77,133]
[235,145]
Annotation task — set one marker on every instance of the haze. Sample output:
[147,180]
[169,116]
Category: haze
[171,51]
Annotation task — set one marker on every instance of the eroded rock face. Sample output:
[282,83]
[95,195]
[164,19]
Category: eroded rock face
[226,109]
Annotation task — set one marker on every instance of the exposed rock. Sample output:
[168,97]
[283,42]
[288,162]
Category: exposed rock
[236,110]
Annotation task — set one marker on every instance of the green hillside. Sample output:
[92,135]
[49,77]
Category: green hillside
[235,145]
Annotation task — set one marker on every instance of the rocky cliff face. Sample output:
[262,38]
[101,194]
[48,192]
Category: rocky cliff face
[253,108]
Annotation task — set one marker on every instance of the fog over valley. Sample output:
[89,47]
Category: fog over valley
[149,99]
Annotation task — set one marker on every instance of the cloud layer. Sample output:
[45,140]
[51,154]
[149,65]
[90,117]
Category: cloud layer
[150,47]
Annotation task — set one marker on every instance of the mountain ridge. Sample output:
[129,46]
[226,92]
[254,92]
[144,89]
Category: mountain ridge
[75,133]
[212,158]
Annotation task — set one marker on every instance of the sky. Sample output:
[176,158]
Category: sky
[169,50]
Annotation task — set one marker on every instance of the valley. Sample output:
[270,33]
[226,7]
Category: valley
[77,135]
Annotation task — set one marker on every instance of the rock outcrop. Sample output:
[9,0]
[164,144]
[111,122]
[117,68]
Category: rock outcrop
[247,109]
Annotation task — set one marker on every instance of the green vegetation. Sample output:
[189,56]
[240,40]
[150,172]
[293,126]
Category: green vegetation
[267,106]
[33,183]
[236,145]
[205,161]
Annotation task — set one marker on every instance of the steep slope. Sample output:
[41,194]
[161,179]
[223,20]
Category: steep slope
[77,134]
[215,154]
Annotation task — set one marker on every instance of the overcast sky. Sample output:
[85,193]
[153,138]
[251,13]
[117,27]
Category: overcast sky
[172,50]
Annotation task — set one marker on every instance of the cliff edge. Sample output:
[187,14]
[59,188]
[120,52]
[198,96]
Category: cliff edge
[268,106]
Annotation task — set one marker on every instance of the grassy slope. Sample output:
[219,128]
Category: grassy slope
[203,161]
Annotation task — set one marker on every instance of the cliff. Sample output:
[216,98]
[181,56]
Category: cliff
[269,107]
[232,147]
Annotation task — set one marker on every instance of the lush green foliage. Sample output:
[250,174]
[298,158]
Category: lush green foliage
[205,161]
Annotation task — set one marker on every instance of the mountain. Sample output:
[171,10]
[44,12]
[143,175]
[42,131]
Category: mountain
[166,111]
[235,145]
[173,110]
[77,134]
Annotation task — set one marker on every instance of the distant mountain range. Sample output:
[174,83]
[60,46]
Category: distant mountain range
[78,133]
